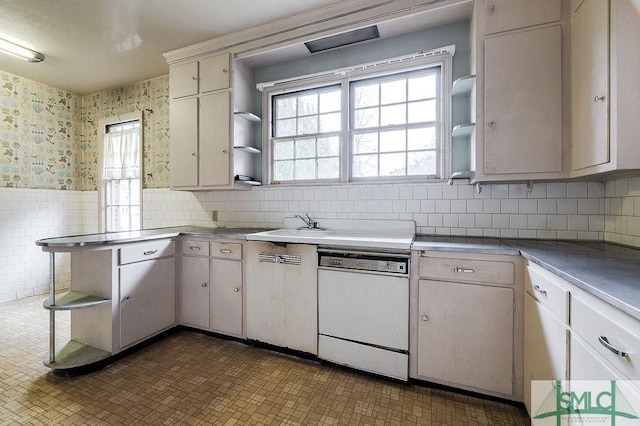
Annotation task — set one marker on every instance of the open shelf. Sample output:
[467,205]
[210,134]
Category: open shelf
[463,85]
[248,116]
[463,130]
[74,300]
[73,355]
[248,149]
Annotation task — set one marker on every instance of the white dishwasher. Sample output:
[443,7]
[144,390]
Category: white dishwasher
[363,310]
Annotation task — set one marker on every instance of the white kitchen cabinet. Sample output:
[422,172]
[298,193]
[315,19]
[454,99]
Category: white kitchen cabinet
[147,299]
[194,291]
[208,149]
[200,145]
[282,295]
[546,330]
[505,15]
[522,91]
[226,296]
[466,322]
[466,335]
[200,76]
[605,68]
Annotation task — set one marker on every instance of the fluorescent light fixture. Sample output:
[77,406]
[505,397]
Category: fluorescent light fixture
[344,39]
[20,52]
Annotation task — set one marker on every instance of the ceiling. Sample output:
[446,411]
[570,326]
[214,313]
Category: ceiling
[92,45]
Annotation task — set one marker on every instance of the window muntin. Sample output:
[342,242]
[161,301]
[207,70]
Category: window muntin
[395,123]
[306,129]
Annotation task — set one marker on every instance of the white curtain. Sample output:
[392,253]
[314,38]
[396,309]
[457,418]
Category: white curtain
[122,154]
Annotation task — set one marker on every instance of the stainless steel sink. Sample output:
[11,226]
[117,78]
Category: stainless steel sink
[301,232]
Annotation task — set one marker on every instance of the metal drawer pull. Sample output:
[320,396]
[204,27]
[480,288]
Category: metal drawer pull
[464,270]
[540,290]
[147,253]
[194,248]
[225,251]
[605,342]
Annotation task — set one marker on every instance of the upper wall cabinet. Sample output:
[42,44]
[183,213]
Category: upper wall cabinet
[209,149]
[202,76]
[605,86]
[522,90]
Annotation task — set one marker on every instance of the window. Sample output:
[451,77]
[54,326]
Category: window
[121,175]
[361,125]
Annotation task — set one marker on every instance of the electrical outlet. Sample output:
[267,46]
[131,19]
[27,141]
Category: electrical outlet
[214,215]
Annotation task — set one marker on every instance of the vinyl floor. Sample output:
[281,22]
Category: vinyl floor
[189,378]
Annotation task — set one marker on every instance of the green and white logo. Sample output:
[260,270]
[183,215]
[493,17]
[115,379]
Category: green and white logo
[584,402]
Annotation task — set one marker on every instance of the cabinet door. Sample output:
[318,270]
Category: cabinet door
[503,15]
[194,291]
[215,113]
[465,334]
[523,102]
[545,347]
[147,299]
[590,84]
[226,296]
[184,142]
[183,80]
[215,73]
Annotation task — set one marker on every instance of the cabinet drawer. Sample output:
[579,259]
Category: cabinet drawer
[467,270]
[226,250]
[504,15]
[195,248]
[599,324]
[146,251]
[548,289]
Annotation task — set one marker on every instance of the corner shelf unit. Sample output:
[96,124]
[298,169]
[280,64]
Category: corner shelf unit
[463,135]
[73,354]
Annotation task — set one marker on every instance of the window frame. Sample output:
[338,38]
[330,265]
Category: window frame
[103,124]
[384,68]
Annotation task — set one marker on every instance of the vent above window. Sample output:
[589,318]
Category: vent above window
[344,39]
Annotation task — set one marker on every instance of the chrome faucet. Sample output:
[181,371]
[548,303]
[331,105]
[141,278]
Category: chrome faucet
[311,224]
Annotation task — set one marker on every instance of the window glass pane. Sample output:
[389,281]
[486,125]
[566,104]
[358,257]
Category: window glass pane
[307,125]
[422,138]
[421,163]
[422,87]
[330,122]
[328,146]
[365,166]
[365,143]
[393,164]
[112,192]
[393,92]
[305,148]
[366,118]
[283,170]
[124,192]
[283,150]
[366,96]
[330,101]
[308,104]
[135,217]
[422,111]
[135,191]
[286,127]
[286,107]
[305,169]
[123,219]
[328,168]
[395,114]
[393,141]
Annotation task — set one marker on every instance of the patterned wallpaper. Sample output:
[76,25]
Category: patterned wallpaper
[48,137]
[39,135]
[149,96]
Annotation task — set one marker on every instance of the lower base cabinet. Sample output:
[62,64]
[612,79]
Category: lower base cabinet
[226,296]
[465,335]
[147,299]
[194,291]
